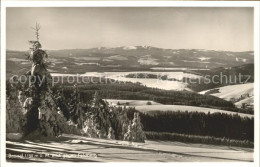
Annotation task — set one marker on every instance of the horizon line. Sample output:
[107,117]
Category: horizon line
[132,49]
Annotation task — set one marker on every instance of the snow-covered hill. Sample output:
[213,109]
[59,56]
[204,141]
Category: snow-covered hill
[242,93]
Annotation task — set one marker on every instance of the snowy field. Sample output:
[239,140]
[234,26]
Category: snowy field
[236,92]
[149,82]
[130,102]
[233,91]
[72,148]
[141,105]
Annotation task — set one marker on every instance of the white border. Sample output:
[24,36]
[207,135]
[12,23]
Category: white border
[257,82]
[5,4]
[129,4]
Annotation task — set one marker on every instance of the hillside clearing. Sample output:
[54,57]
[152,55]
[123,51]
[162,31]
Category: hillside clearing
[249,100]
[233,91]
[238,94]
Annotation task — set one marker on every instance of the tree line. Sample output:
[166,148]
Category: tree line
[135,91]
[198,123]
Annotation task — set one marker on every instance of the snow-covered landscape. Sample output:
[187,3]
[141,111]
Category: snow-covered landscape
[242,93]
[130,84]
[169,84]
[143,106]
[72,148]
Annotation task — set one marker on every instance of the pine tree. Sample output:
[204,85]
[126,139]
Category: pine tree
[111,133]
[41,116]
[61,103]
[128,136]
[76,108]
[135,131]
[14,111]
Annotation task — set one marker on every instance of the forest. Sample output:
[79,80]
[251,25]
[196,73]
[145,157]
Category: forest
[203,124]
[196,127]
[83,105]
[135,91]
[222,77]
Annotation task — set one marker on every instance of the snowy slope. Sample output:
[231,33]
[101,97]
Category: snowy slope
[249,100]
[238,93]
[72,148]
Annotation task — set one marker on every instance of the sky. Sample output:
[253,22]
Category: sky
[208,28]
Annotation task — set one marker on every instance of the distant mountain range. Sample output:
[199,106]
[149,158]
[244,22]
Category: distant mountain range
[131,58]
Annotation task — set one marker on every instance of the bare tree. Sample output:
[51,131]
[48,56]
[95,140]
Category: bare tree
[37,28]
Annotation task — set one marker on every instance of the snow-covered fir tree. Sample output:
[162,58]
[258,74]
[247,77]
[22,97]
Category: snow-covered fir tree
[137,129]
[38,113]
